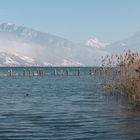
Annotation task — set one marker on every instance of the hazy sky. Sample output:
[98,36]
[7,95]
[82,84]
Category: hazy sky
[76,20]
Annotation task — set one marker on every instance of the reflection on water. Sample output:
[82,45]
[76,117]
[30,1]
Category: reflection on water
[63,108]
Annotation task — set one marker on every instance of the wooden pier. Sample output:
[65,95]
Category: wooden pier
[40,72]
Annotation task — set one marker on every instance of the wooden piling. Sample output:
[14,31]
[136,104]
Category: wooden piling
[10,73]
[42,72]
[78,73]
[55,72]
[67,72]
[62,73]
[37,72]
[91,73]
[33,73]
[29,72]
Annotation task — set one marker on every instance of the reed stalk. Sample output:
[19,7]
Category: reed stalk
[121,75]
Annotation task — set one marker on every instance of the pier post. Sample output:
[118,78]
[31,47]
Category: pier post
[24,72]
[37,72]
[29,72]
[55,72]
[42,72]
[90,72]
[10,73]
[62,72]
[67,72]
[33,73]
[78,73]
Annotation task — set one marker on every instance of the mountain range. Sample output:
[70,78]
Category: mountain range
[22,46]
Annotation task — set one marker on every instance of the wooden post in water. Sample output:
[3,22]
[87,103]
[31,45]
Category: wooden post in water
[37,72]
[42,72]
[10,73]
[95,71]
[62,73]
[78,73]
[67,72]
[90,72]
[29,72]
[33,73]
[24,72]
[55,72]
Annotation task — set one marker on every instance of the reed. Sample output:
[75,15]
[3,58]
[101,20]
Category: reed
[121,75]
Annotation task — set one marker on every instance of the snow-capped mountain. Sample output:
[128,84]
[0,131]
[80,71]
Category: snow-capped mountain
[21,46]
[131,43]
[95,43]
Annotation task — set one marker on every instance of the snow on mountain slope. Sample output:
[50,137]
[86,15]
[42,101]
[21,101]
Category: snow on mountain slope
[95,43]
[23,46]
[15,60]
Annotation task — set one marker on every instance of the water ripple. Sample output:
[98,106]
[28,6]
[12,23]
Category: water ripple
[62,108]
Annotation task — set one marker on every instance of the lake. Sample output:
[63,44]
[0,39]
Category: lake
[62,108]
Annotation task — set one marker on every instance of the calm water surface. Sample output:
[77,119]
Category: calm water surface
[63,108]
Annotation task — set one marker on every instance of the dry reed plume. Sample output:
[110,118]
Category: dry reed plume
[121,75]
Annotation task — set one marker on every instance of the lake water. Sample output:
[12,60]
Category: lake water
[63,108]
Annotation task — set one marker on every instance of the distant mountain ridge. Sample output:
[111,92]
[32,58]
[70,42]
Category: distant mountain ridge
[32,35]
[22,46]
[130,43]
[44,49]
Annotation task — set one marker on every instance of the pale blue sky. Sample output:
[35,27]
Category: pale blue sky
[76,20]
